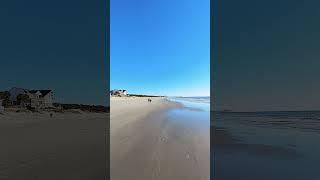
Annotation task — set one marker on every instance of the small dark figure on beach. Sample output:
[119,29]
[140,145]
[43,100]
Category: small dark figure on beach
[51,114]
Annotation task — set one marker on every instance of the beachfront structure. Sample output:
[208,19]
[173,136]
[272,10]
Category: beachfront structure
[37,99]
[118,92]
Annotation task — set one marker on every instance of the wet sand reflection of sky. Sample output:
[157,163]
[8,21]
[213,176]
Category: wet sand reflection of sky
[242,149]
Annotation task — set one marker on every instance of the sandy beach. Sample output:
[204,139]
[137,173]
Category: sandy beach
[156,141]
[68,146]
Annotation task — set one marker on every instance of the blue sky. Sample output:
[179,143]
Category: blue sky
[160,47]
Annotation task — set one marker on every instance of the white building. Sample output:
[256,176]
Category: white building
[41,98]
[119,92]
[37,99]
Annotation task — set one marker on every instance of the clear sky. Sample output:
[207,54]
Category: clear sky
[267,55]
[160,47]
[58,45]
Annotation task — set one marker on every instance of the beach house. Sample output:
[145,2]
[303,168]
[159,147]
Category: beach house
[38,99]
[119,92]
[41,98]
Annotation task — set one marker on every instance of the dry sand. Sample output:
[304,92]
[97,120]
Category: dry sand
[67,146]
[147,144]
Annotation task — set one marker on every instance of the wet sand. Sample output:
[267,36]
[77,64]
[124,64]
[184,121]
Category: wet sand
[232,157]
[67,146]
[147,143]
[246,145]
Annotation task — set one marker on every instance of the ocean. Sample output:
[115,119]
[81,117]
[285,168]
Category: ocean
[276,145]
[194,118]
[200,103]
[196,112]
[265,145]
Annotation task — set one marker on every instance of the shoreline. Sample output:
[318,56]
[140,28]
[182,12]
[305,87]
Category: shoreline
[246,137]
[137,103]
[155,141]
[137,108]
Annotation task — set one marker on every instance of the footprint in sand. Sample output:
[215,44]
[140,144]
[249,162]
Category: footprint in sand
[187,156]
[163,139]
[191,157]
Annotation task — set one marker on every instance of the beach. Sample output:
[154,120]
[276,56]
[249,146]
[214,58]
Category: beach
[279,145]
[66,146]
[160,140]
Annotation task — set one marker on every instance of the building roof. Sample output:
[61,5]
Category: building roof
[43,92]
[118,90]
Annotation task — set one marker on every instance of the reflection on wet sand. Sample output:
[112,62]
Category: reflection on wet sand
[265,145]
[224,141]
